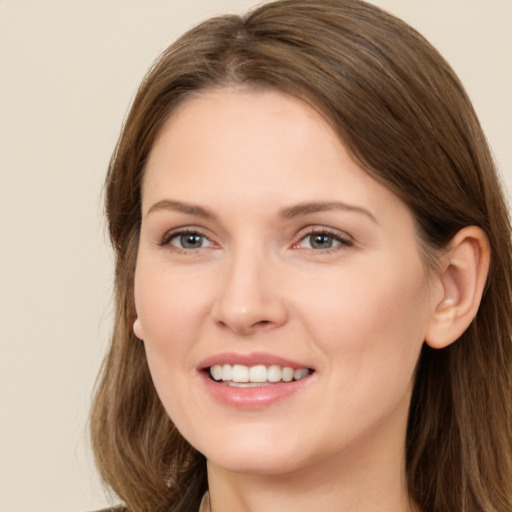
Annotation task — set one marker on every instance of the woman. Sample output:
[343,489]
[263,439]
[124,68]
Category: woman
[313,276]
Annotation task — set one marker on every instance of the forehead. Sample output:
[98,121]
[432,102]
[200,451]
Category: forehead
[254,144]
[246,110]
[219,126]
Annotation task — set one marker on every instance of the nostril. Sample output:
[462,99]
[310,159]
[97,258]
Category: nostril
[261,325]
[246,328]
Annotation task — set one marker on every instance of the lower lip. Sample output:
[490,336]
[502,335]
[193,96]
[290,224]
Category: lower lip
[252,397]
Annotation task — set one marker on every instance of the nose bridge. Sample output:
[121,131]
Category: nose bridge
[248,299]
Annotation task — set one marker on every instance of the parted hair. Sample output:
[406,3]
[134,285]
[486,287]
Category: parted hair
[405,118]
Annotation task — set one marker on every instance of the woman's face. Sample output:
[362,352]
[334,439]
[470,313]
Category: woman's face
[266,254]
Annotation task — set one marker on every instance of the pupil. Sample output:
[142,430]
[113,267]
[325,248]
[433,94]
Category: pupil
[191,241]
[321,242]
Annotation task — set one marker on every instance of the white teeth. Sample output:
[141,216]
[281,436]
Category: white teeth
[300,373]
[216,372]
[258,373]
[287,374]
[250,376]
[227,372]
[240,373]
[247,384]
[274,373]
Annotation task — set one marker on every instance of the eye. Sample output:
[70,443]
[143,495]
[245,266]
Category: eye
[188,240]
[323,240]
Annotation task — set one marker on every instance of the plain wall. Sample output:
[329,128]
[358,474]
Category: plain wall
[68,70]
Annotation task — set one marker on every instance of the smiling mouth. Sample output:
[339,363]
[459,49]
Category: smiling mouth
[239,375]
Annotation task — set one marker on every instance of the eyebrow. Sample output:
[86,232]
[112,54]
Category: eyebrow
[309,208]
[286,213]
[191,209]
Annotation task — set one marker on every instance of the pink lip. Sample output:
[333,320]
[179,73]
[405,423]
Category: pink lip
[251,359]
[254,397]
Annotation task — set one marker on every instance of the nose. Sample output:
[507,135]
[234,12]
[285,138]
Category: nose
[250,299]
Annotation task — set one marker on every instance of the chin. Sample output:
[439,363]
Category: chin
[266,465]
[253,454]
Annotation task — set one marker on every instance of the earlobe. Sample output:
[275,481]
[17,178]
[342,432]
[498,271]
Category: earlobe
[137,329]
[463,275]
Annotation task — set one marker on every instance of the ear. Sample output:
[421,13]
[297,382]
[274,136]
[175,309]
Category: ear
[463,274]
[137,329]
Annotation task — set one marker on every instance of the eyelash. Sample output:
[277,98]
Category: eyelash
[343,240]
[175,234]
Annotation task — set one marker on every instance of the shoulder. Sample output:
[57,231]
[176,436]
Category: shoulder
[117,508]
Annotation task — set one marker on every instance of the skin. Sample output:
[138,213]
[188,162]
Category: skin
[356,312]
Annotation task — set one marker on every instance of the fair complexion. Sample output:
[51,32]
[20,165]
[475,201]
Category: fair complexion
[264,244]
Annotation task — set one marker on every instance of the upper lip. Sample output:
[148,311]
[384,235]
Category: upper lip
[251,359]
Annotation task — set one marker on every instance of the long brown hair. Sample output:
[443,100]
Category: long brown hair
[404,116]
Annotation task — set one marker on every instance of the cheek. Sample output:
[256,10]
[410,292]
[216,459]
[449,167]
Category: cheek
[169,314]
[168,304]
[371,315]
[370,331]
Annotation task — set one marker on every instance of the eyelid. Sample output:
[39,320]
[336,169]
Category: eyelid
[165,240]
[341,236]
[344,239]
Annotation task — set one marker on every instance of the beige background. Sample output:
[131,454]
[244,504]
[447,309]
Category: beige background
[68,69]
